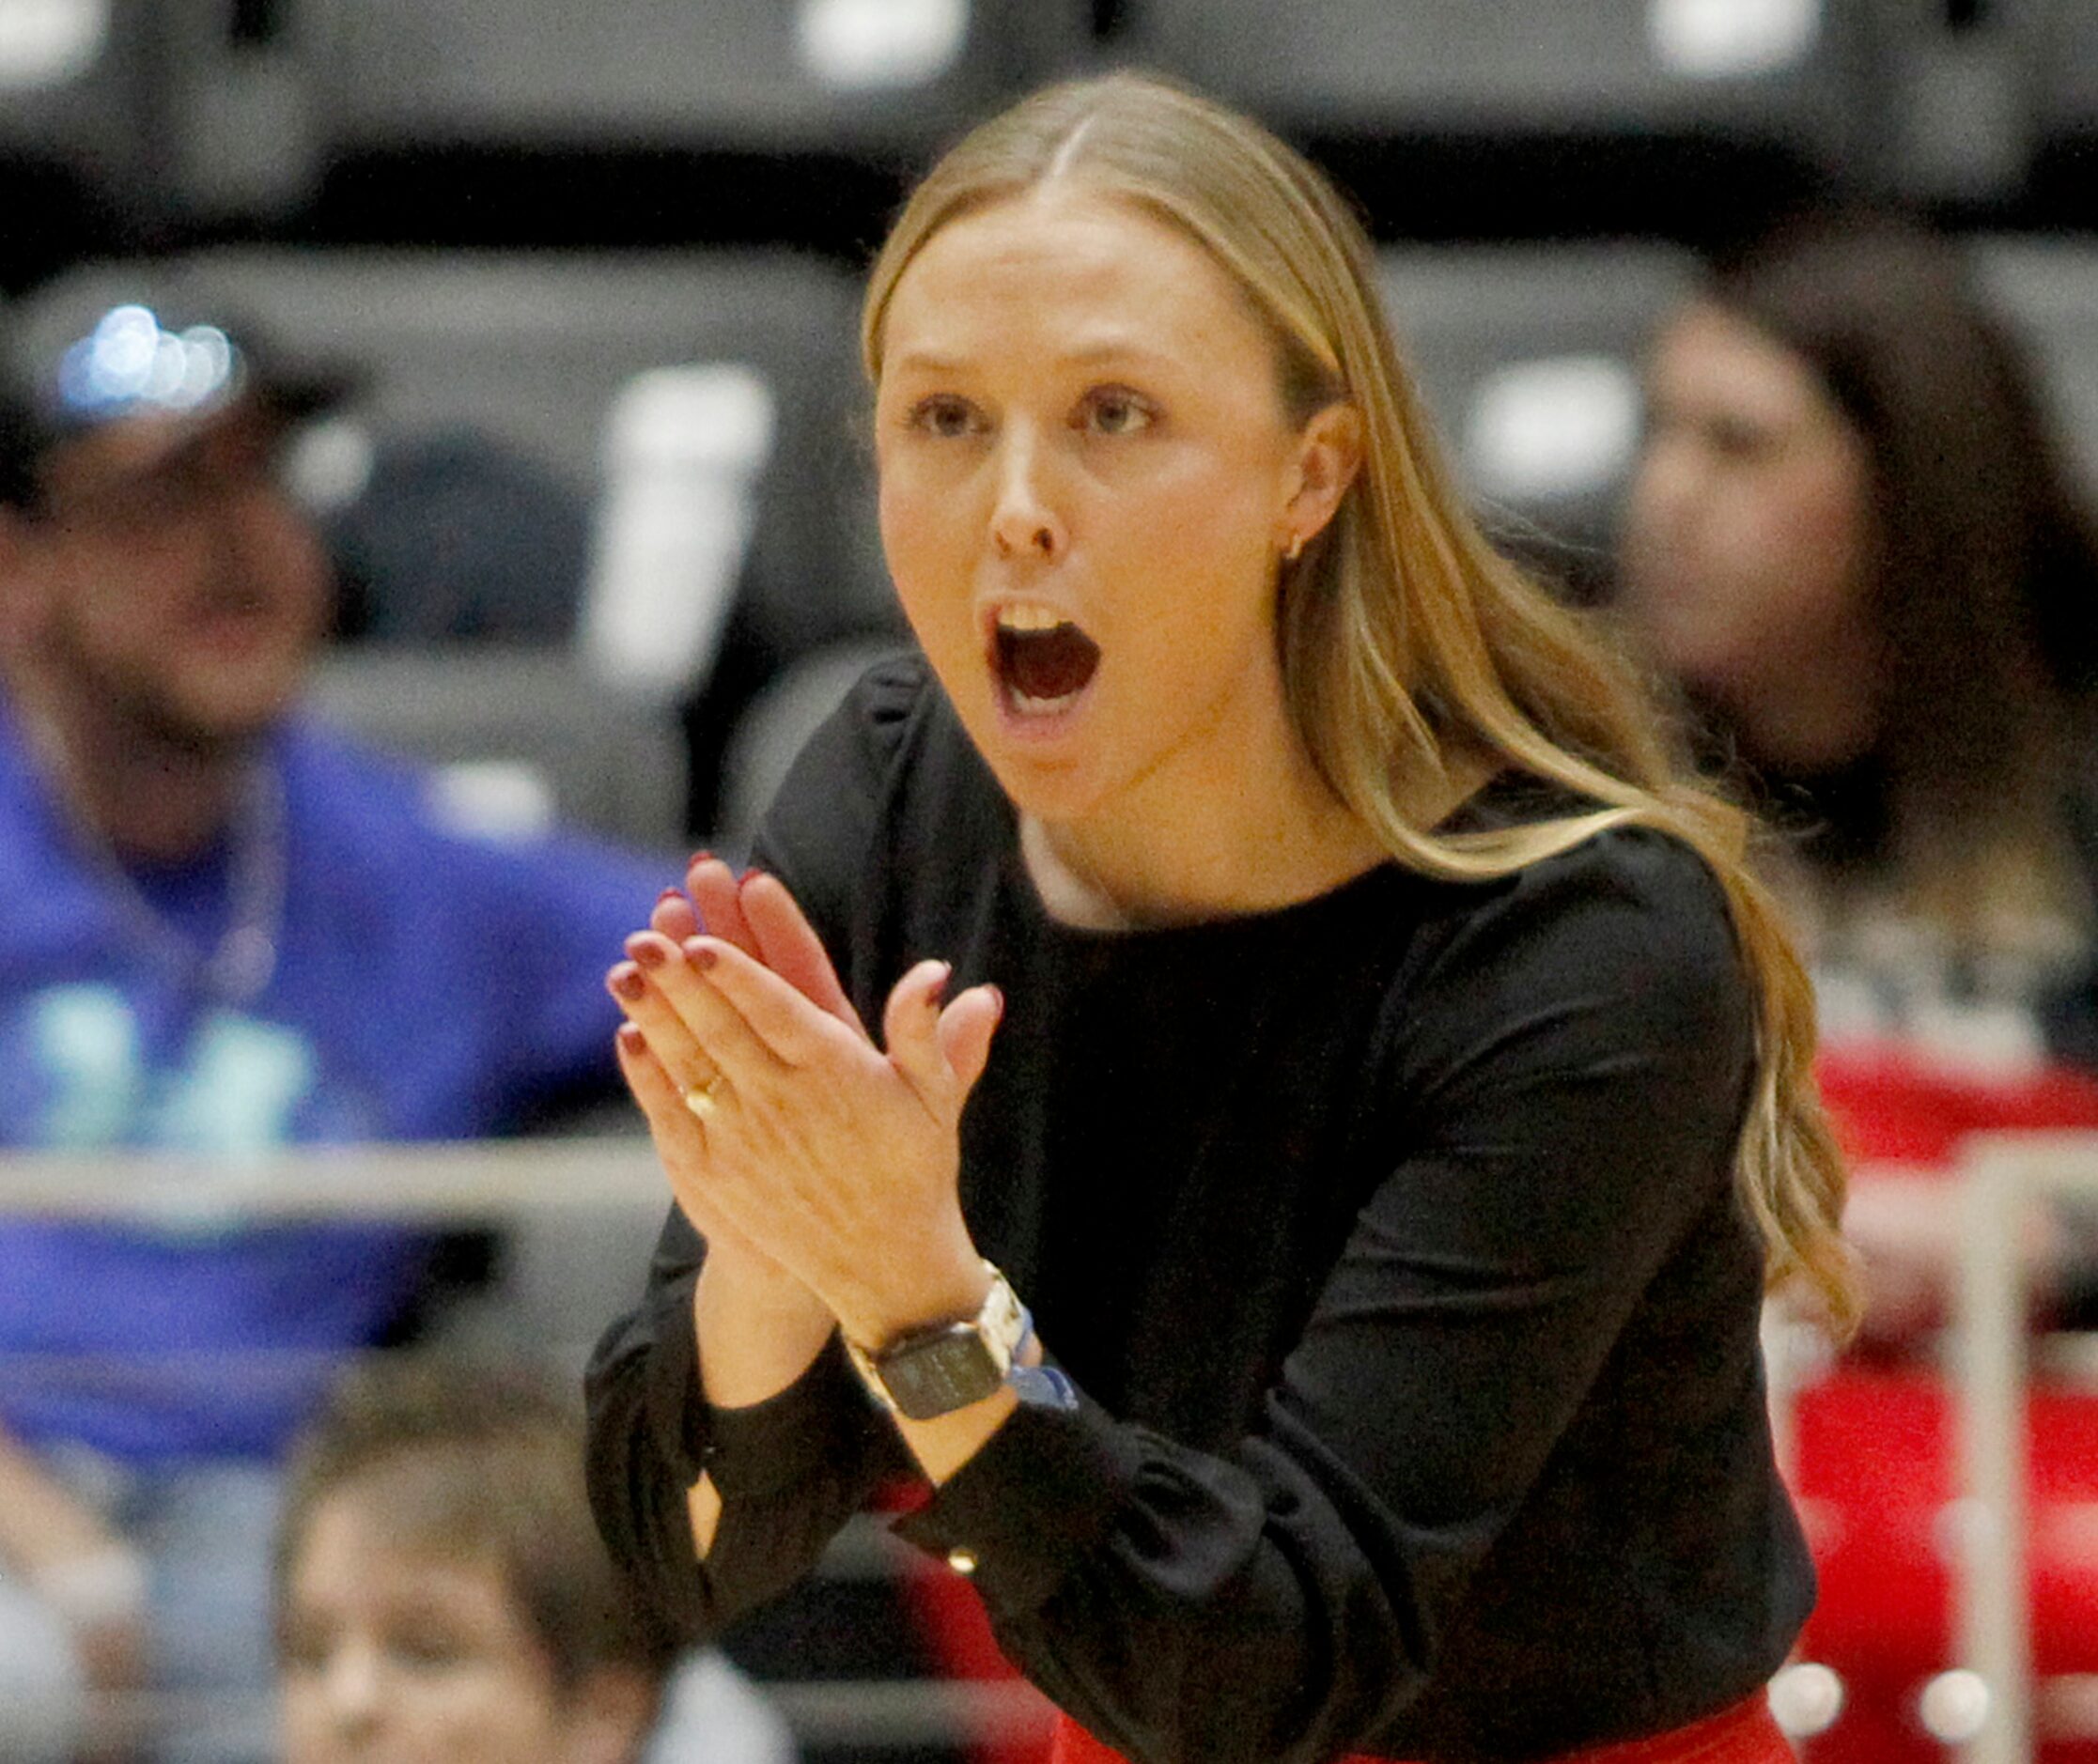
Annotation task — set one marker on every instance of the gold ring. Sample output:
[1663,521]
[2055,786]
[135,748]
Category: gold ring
[701,1098]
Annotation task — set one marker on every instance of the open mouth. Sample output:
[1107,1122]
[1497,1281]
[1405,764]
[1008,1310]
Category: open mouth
[1044,661]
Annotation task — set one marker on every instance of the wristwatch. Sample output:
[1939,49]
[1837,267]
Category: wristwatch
[932,1372]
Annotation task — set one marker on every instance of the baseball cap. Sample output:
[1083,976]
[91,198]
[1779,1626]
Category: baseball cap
[133,363]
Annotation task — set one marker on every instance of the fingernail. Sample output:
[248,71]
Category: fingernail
[699,857]
[997,999]
[648,951]
[937,990]
[749,876]
[632,1039]
[626,982]
[669,894]
[701,955]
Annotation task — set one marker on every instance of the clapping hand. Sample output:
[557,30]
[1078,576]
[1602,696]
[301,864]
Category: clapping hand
[789,1137]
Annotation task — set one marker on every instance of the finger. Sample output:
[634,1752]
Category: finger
[792,1031]
[681,1140]
[712,883]
[966,1029]
[696,1032]
[910,1034]
[676,1129]
[669,1037]
[790,946]
[673,916]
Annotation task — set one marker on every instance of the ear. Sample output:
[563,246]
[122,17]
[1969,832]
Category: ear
[1329,457]
[610,1712]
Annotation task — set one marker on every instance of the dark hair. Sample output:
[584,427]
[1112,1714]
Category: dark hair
[486,1465]
[1984,569]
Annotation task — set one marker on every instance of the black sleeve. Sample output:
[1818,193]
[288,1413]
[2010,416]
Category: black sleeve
[1580,1069]
[792,1469]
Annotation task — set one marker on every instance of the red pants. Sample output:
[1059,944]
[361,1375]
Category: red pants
[1745,1734]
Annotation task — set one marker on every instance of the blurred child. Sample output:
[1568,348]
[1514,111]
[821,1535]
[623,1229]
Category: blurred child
[442,1596]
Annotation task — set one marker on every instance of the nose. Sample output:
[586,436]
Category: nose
[1024,521]
[352,1685]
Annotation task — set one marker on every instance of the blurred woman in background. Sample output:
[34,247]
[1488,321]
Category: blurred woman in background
[1852,540]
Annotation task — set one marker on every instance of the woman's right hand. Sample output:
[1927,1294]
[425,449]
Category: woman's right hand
[745,1298]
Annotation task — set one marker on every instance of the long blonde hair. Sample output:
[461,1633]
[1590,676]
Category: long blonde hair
[1404,637]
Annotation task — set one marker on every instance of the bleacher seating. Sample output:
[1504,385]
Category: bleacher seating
[1789,71]
[2049,288]
[521,739]
[1528,357]
[2059,50]
[74,87]
[885,75]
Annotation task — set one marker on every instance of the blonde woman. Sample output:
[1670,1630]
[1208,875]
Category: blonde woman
[1298,970]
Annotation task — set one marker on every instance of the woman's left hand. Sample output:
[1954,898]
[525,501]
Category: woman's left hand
[839,1160]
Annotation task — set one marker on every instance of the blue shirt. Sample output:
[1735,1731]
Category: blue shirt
[427,986]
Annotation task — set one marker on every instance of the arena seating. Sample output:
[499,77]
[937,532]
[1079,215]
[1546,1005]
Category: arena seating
[2060,39]
[882,75]
[2048,287]
[1528,357]
[1791,71]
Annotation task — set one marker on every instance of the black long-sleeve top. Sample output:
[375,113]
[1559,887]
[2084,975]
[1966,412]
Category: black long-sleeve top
[1390,1243]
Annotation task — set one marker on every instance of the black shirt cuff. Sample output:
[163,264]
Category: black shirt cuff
[788,1438]
[1037,1495]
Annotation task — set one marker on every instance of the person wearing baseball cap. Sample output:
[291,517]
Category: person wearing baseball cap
[223,929]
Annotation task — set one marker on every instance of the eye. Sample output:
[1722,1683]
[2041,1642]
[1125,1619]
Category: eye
[428,1647]
[945,415]
[1116,411]
[1733,438]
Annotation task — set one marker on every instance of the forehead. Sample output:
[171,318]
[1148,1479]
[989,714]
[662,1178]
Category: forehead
[135,448]
[1072,267]
[1707,356]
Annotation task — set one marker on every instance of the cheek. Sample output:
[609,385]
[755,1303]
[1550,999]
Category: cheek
[931,540]
[1796,542]
[285,550]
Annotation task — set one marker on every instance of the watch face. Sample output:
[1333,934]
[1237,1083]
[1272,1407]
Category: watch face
[939,1375]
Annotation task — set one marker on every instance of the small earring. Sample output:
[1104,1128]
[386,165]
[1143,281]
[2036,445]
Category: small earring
[1295,549]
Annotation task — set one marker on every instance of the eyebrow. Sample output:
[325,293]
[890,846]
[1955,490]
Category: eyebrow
[1087,354]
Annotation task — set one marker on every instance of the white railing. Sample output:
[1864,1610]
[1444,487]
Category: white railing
[2001,1176]
[433,1182]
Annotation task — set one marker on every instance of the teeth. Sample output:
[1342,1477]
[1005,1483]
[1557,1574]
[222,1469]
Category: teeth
[1027,617]
[1040,707]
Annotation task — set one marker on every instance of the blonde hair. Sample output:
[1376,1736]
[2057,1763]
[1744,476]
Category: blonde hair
[1404,637]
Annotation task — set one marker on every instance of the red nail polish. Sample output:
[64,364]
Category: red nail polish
[699,857]
[669,894]
[749,876]
[632,1039]
[937,990]
[627,981]
[648,951]
[701,955]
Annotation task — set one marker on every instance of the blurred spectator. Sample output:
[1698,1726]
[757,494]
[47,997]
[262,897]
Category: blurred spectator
[1853,540]
[442,1594]
[220,930]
